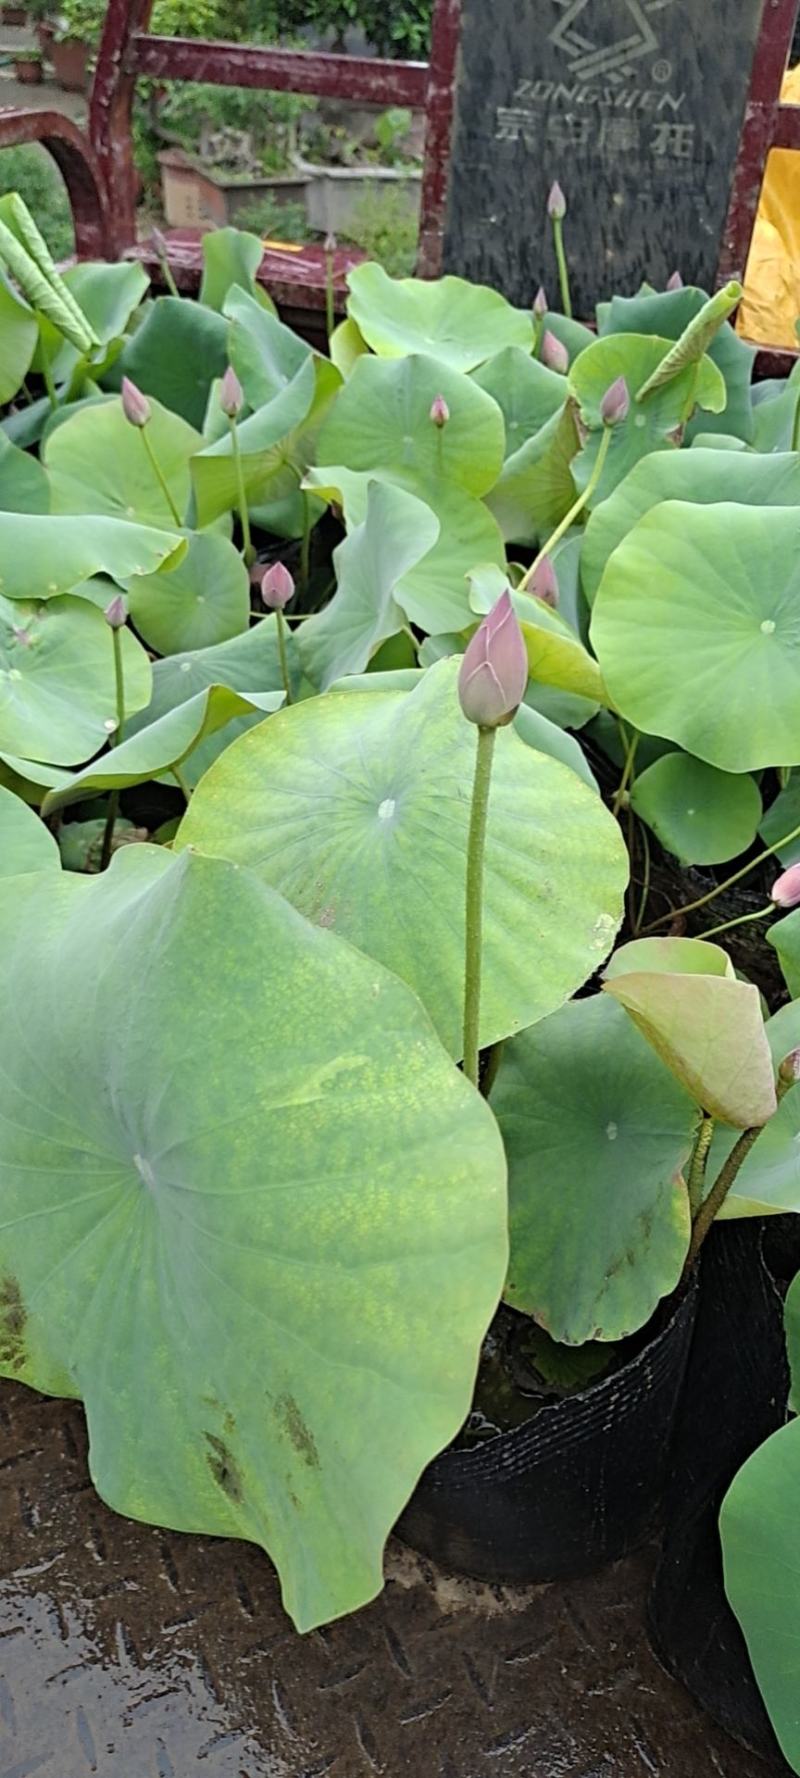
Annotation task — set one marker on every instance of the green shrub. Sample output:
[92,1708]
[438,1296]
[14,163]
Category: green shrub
[30,171]
[387,232]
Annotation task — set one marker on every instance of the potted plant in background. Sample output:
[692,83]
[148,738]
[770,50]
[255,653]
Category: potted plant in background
[28,66]
[42,15]
[77,34]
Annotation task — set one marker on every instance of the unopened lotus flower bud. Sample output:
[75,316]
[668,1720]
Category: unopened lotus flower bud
[544,583]
[159,243]
[556,203]
[135,405]
[616,403]
[277,587]
[553,354]
[231,394]
[786,888]
[331,243]
[675,282]
[540,304]
[440,412]
[494,671]
[789,1070]
[116,614]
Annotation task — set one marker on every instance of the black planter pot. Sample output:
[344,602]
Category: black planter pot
[735,1396]
[571,1489]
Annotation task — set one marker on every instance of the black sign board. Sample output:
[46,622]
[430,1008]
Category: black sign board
[634,106]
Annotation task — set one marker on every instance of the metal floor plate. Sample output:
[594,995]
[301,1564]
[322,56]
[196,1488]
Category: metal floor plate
[127,1652]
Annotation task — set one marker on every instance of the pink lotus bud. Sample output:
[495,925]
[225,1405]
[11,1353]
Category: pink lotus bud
[675,282]
[540,303]
[159,243]
[116,614]
[789,1070]
[616,403]
[553,354]
[494,671]
[231,394]
[440,412]
[331,244]
[556,203]
[786,888]
[277,587]
[135,405]
[544,583]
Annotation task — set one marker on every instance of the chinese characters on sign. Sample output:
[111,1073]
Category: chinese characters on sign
[607,132]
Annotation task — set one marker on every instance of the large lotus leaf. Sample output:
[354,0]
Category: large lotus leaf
[19,332]
[24,486]
[696,627]
[231,257]
[107,295]
[654,424]
[669,956]
[435,594]
[357,807]
[785,939]
[346,345]
[265,354]
[57,684]
[397,532]
[99,463]
[527,393]
[596,1133]
[47,554]
[382,421]
[251,1213]
[791,1322]
[249,664]
[701,815]
[705,477]
[536,487]
[175,354]
[266,440]
[204,601]
[668,313]
[169,741]
[768,1183]
[781,819]
[26,845]
[710,1032]
[459,324]
[28,778]
[775,413]
[760,1529]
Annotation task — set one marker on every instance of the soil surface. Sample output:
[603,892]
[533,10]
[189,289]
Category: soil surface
[127,1652]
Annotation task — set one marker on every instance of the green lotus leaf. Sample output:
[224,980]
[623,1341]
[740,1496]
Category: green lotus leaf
[397,532]
[19,333]
[709,1031]
[458,323]
[24,486]
[97,462]
[382,422]
[249,664]
[265,354]
[152,751]
[596,1133]
[46,554]
[652,424]
[26,845]
[781,820]
[695,627]
[107,295]
[175,354]
[275,445]
[556,656]
[527,393]
[669,956]
[775,412]
[28,778]
[706,477]
[268,1212]
[768,1183]
[536,487]
[791,1319]
[57,683]
[760,1531]
[784,937]
[572,334]
[204,601]
[346,345]
[357,807]
[668,313]
[231,257]
[701,815]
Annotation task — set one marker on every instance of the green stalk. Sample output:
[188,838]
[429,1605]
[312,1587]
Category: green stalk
[166,273]
[627,773]
[476,848]
[709,1210]
[729,883]
[248,552]
[157,471]
[48,375]
[282,655]
[637,925]
[742,920]
[118,735]
[796,426]
[305,546]
[563,273]
[698,1164]
[574,512]
[330,295]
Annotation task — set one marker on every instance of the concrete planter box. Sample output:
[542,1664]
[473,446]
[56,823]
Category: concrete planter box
[194,197]
[335,194]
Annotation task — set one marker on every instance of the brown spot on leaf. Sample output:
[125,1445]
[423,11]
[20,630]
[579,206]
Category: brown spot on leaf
[13,1316]
[224,1468]
[300,1434]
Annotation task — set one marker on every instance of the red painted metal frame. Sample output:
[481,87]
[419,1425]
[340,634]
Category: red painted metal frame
[440,116]
[79,166]
[367,80]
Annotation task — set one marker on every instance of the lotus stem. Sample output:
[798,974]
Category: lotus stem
[282,655]
[305,545]
[742,920]
[645,895]
[476,850]
[563,272]
[729,883]
[796,426]
[183,787]
[47,376]
[118,735]
[248,552]
[330,294]
[159,475]
[574,512]
[627,772]
[698,1164]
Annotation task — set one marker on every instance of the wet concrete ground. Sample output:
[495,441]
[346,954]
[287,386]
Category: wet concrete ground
[128,1652]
